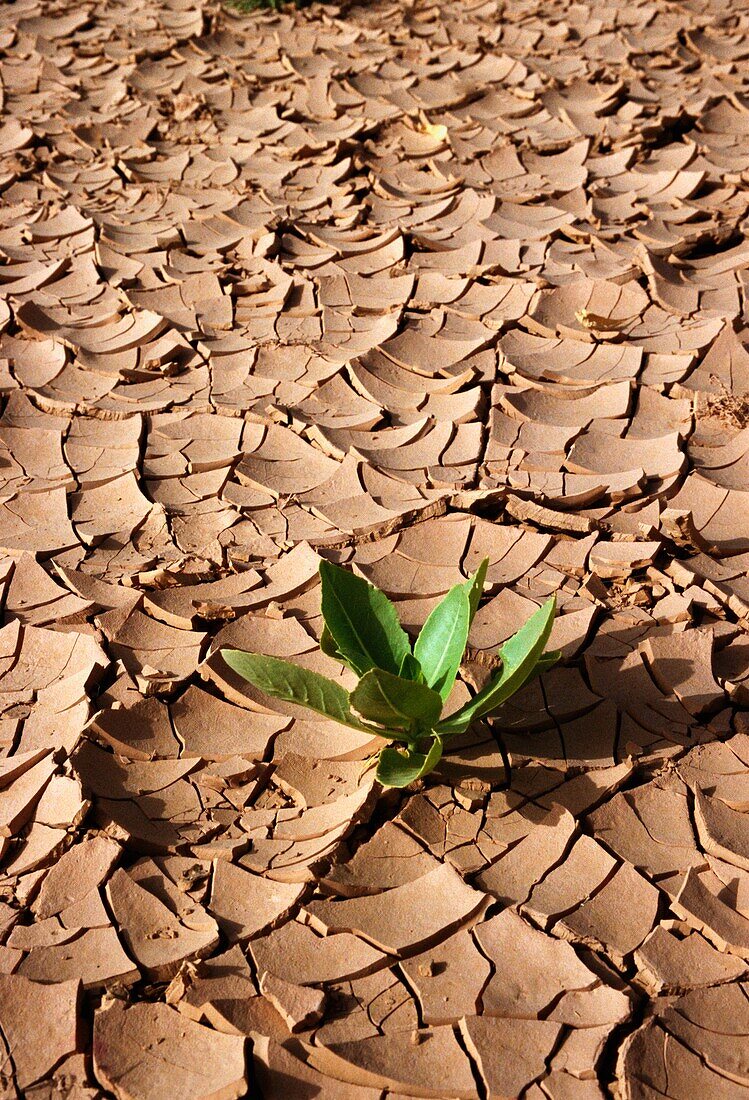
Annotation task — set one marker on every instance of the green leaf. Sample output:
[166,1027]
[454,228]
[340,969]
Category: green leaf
[532,636]
[547,661]
[520,656]
[362,621]
[475,586]
[294,684]
[398,704]
[399,767]
[440,645]
[411,669]
[329,648]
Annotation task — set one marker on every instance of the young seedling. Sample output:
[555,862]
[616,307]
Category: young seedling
[401,689]
[247,6]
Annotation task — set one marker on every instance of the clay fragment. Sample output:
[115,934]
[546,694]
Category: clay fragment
[722,830]
[706,912]
[671,961]
[40,1025]
[301,1008]
[246,904]
[510,1054]
[276,1066]
[293,948]
[400,919]
[537,975]
[423,1063]
[608,918]
[173,1053]
[512,877]
[158,940]
[448,979]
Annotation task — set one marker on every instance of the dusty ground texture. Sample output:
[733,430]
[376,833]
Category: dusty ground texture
[400,286]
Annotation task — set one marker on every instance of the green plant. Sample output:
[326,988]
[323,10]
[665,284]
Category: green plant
[401,690]
[247,6]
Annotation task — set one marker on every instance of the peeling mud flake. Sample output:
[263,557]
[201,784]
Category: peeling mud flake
[39,1027]
[535,975]
[510,1054]
[300,1007]
[294,948]
[150,1051]
[674,960]
[448,979]
[701,905]
[512,877]
[404,918]
[695,1045]
[281,1071]
[246,904]
[620,915]
[155,936]
[425,1063]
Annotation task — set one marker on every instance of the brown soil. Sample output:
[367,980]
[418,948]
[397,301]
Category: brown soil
[400,286]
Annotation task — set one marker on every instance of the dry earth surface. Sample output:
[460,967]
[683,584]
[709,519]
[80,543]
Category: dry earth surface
[400,286]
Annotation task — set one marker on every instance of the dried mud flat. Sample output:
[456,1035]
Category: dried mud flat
[401,286]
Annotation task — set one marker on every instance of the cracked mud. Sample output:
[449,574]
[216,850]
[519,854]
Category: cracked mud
[400,286]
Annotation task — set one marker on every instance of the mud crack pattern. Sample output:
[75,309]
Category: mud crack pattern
[399,286]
